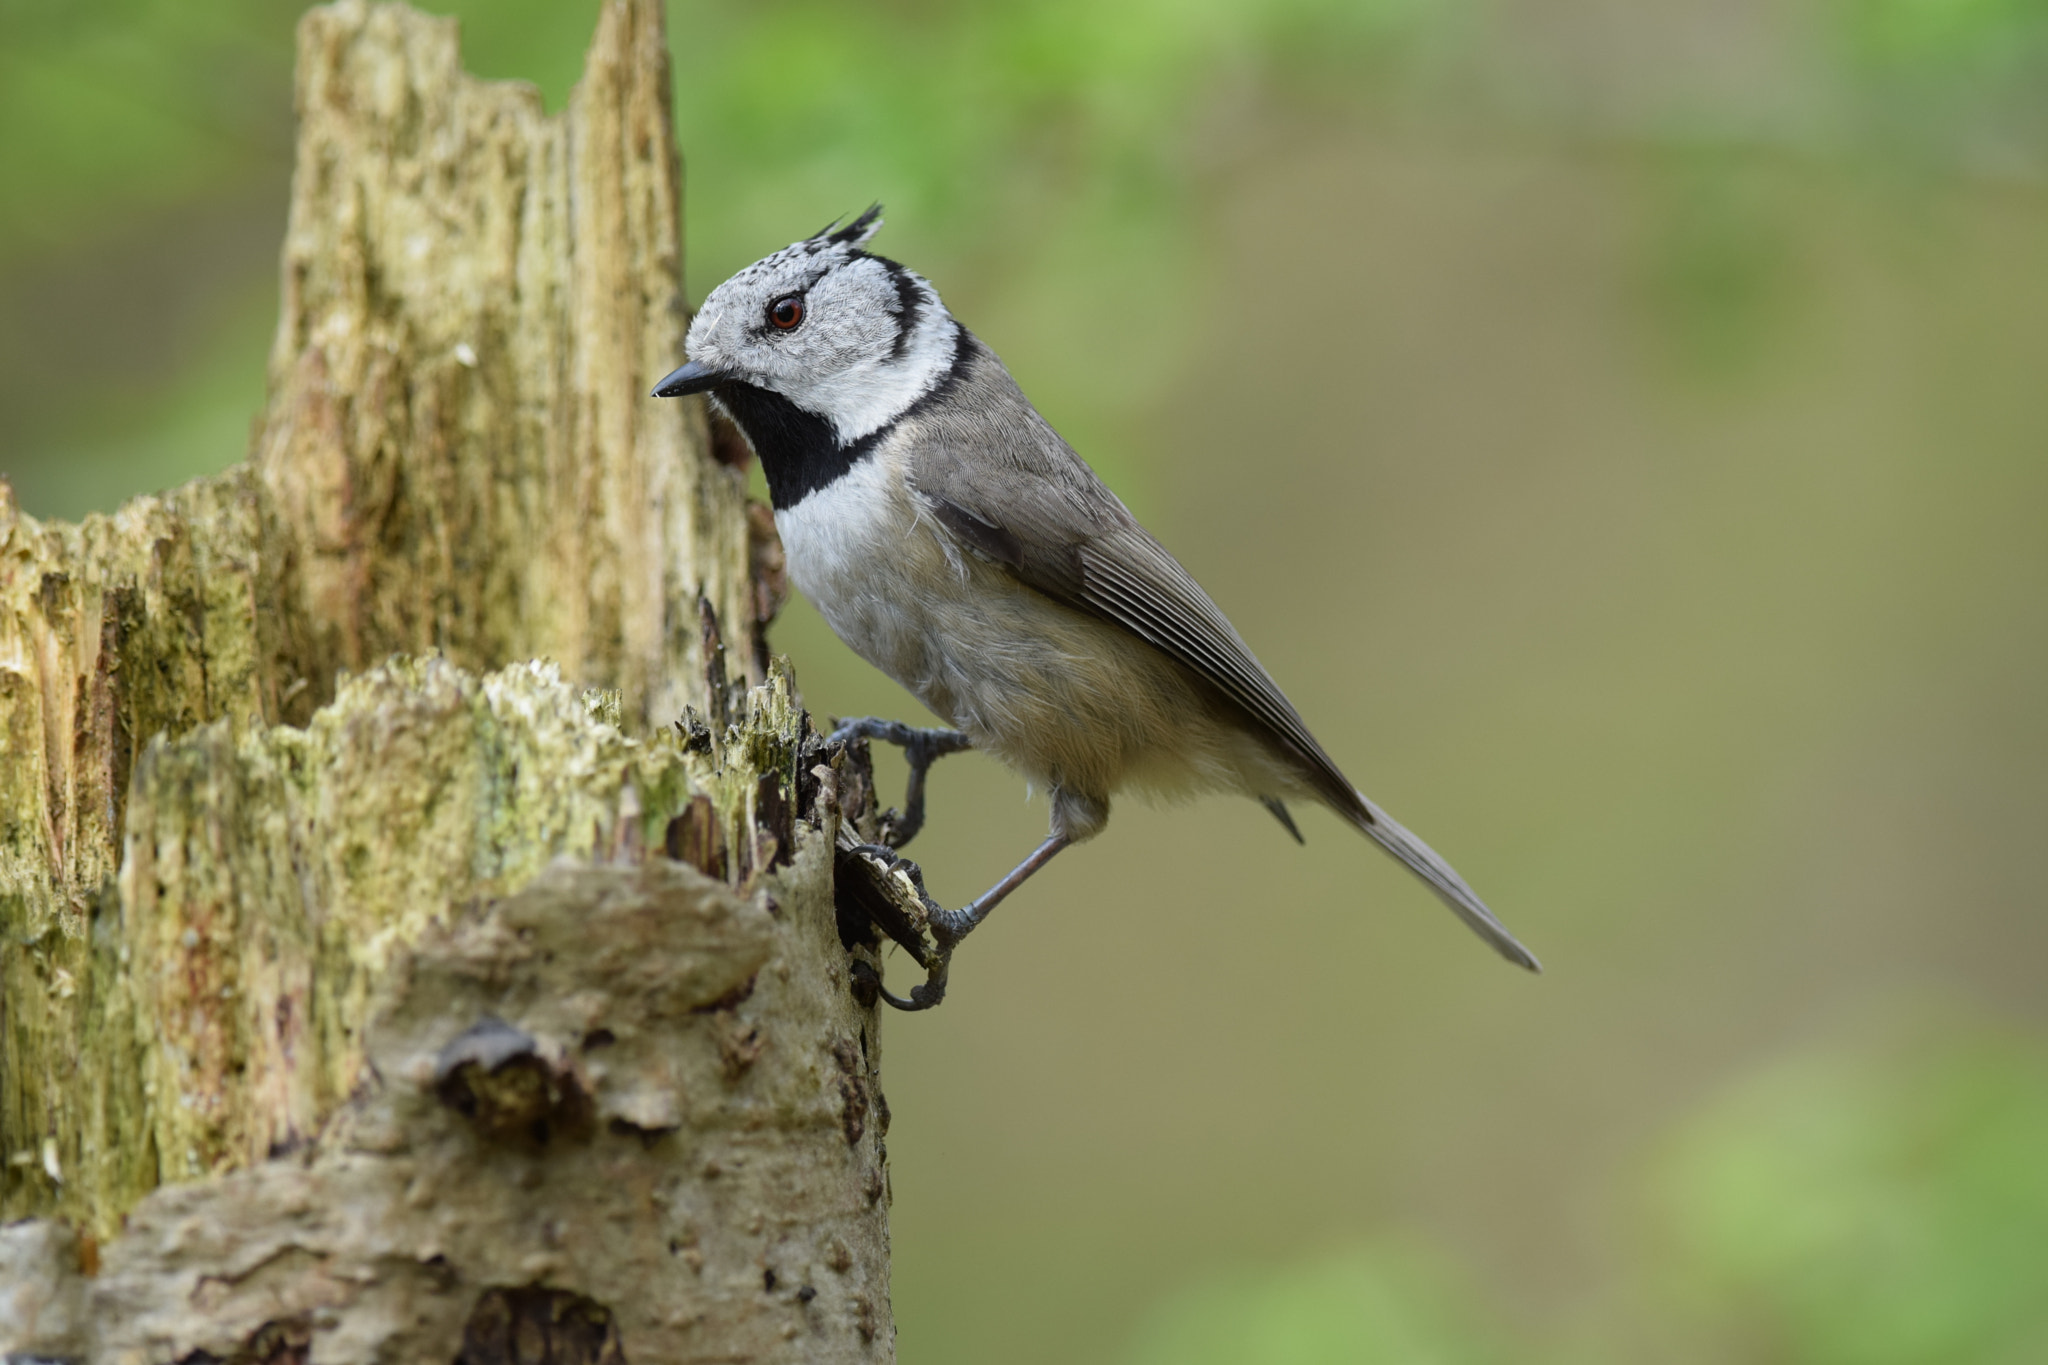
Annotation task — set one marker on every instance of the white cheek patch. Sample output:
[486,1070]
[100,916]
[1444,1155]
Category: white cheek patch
[867,397]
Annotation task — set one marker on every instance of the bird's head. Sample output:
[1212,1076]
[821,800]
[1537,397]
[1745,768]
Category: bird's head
[849,338]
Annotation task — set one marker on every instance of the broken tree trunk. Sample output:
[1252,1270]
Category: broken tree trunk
[367,991]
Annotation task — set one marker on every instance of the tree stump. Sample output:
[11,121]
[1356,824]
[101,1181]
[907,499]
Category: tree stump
[369,991]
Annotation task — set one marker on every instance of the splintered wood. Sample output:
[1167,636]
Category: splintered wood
[349,1003]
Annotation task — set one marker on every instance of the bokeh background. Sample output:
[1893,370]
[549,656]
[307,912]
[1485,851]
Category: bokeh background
[1623,427]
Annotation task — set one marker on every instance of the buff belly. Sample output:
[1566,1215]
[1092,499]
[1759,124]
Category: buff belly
[1073,703]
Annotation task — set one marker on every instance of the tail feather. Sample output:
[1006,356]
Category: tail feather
[1450,888]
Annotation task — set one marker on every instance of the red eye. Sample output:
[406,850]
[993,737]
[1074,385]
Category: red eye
[787,311]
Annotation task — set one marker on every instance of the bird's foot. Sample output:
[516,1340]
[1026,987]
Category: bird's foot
[947,926]
[921,748]
[868,982]
[892,913]
[942,924]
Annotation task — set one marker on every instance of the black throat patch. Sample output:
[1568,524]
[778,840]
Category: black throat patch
[798,450]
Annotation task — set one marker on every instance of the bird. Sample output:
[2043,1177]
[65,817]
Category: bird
[951,538]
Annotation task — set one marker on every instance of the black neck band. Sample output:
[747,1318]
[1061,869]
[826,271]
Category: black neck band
[799,451]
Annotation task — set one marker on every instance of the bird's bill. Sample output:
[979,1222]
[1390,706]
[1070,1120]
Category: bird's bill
[690,378]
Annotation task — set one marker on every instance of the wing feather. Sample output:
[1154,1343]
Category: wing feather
[1129,578]
[1119,573]
[997,477]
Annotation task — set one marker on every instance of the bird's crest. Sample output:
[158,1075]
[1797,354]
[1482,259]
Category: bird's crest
[853,234]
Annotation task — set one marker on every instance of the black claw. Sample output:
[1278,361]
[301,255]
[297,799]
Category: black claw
[868,988]
[926,994]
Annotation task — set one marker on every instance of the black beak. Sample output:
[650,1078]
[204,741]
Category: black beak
[691,378]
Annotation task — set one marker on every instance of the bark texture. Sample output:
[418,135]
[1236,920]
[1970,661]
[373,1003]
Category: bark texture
[459,448]
[369,1008]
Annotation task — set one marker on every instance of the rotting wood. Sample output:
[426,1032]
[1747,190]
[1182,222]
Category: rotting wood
[370,1017]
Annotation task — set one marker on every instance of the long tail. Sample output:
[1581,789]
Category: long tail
[1450,888]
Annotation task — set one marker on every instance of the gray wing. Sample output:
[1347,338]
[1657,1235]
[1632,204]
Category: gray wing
[1030,504]
[996,475]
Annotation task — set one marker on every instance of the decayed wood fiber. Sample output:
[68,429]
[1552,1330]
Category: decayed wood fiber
[477,298]
[511,1044]
[147,622]
[458,456]
[382,1007]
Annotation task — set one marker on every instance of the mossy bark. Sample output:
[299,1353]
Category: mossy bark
[353,1003]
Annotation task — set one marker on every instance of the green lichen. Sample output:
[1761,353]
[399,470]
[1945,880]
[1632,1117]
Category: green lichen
[208,847]
[274,873]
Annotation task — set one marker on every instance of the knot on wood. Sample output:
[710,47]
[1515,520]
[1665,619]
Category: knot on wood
[493,1075]
[287,1341]
[853,1090]
[535,1326]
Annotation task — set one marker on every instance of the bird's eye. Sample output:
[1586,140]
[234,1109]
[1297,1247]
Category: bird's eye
[786,312]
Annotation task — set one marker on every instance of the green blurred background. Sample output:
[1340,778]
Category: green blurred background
[1621,424]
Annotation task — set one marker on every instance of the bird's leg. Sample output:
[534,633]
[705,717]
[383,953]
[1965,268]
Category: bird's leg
[921,749]
[950,926]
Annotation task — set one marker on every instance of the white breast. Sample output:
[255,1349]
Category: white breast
[1064,698]
[970,642]
[857,551]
